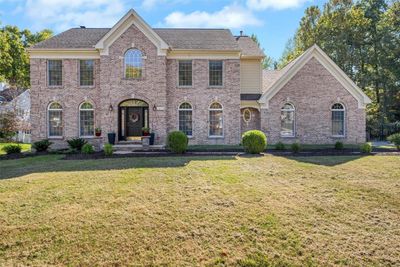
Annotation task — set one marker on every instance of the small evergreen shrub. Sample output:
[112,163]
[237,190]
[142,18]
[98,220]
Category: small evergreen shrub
[280,146]
[295,147]
[12,149]
[42,145]
[395,139]
[339,145]
[76,143]
[87,149]
[108,150]
[177,142]
[366,148]
[254,141]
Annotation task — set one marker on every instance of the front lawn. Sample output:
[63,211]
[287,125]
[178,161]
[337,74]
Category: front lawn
[190,211]
[25,147]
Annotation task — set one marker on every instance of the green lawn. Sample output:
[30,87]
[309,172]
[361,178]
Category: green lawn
[207,211]
[25,147]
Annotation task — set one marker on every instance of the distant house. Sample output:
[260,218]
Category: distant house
[18,101]
[206,83]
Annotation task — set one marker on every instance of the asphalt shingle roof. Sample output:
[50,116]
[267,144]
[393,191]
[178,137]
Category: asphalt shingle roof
[204,39]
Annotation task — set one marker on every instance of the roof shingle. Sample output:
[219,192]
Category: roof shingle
[249,47]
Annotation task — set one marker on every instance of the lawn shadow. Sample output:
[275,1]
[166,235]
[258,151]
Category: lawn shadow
[325,160]
[55,163]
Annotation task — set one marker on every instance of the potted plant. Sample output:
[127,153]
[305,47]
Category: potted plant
[111,138]
[152,136]
[146,131]
[97,131]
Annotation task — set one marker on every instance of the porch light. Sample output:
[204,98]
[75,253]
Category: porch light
[154,107]
[110,108]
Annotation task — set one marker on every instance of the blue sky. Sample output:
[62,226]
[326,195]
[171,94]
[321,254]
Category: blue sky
[273,21]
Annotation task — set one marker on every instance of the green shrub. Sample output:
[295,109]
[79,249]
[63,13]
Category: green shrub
[76,143]
[254,141]
[339,145]
[108,150]
[42,145]
[280,146]
[395,139]
[12,149]
[366,148]
[295,147]
[177,142]
[87,149]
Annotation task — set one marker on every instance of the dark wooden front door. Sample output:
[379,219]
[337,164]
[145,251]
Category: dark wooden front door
[134,121]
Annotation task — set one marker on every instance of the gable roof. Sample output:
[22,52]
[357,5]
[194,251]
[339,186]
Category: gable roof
[248,47]
[287,73]
[163,38]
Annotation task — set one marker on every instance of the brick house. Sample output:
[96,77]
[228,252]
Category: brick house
[204,82]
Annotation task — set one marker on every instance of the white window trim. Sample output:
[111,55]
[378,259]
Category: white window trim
[294,120]
[223,75]
[191,109]
[79,120]
[48,117]
[344,120]
[142,58]
[177,81]
[208,122]
[48,74]
[79,73]
[251,115]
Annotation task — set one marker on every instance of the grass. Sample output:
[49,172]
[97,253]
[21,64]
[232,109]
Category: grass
[25,147]
[208,211]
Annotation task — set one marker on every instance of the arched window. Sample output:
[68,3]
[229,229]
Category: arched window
[338,115]
[86,120]
[55,120]
[133,64]
[216,122]
[287,120]
[185,118]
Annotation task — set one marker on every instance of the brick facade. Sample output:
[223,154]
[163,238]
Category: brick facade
[313,90]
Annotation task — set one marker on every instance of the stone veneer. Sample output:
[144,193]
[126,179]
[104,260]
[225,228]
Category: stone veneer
[313,90]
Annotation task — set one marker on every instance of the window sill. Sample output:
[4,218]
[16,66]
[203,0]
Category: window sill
[55,87]
[55,137]
[289,137]
[215,87]
[133,79]
[185,87]
[338,136]
[88,137]
[86,87]
[215,137]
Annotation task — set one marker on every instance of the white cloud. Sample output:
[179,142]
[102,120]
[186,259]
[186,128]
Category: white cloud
[232,16]
[64,14]
[274,4]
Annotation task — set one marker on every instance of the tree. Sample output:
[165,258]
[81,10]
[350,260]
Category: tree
[268,62]
[14,59]
[8,125]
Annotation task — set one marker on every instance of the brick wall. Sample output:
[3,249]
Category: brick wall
[313,90]
[200,96]
[253,124]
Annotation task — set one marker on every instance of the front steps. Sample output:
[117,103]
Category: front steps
[133,146]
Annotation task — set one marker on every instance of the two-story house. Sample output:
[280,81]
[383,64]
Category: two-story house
[205,82]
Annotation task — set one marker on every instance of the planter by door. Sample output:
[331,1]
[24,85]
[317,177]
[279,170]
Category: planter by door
[152,135]
[111,138]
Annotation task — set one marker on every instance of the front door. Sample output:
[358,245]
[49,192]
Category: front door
[134,121]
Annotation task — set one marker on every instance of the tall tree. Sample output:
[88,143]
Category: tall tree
[14,59]
[268,62]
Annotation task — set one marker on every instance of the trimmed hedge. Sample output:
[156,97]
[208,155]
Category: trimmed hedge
[395,139]
[12,149]
[295,147]
[366,148]
[108,150]
[87,149]
[177,142]
[339,145]
[254,141]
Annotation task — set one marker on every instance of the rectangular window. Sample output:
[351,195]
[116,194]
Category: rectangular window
[87,123]
[185,73]
[338,123]
[55,123]
[216,123]
[54,68]
[86,72]
[215,68]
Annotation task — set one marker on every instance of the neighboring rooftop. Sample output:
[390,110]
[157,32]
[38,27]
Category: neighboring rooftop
[176,38]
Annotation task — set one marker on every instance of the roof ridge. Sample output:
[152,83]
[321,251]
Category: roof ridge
[191,29]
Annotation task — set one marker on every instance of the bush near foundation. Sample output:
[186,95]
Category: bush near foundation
[254,141]
[177,142]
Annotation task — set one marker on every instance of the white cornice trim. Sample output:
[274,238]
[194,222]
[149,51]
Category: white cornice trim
[63,53]
[203,54]
[122,25]
[327,62]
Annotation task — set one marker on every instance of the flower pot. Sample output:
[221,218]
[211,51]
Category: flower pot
[97,134]
[146,134]
[111,138]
